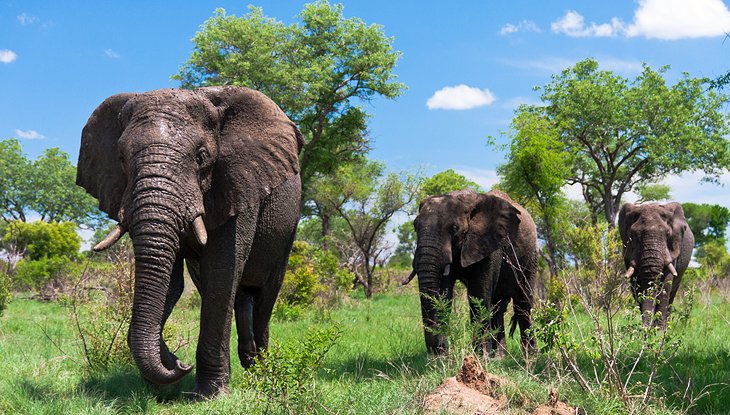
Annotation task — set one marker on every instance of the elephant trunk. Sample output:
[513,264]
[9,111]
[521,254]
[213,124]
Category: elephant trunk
[434,287]
[156,238]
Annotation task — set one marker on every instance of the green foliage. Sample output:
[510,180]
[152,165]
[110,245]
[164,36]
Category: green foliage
[35,274]
[286,374]
[653,192]
[708,222]
[366,198]
[38,240]
[5,295]
[536,169]
[625,132]
[15,178]
[311,274]
[316,70]
[46,186]
[444,182]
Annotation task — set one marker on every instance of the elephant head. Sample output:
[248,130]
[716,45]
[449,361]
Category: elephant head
[169,166]
[657,247]
[455,231]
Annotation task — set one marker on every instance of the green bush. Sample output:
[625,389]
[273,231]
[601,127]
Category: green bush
[312,274]
[286,374]
[35,274]
[5,295]
[39,239]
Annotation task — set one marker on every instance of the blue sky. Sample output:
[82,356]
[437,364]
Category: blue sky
[467,65]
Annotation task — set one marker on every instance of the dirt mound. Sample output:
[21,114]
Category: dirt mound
[471,391]
[475,392]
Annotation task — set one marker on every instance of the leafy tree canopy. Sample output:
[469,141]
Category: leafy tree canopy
[444,182]
[46,186]
[38,240]
[316,70]
[708,222]
[625,132]
[652,192]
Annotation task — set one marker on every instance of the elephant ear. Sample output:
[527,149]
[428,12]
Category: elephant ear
[626,217]
[491,222]
[678,223]
[258,148]
[99,170]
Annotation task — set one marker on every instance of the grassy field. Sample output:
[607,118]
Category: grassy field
[378,365]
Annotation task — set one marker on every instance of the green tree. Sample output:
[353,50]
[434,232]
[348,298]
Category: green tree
[627,132]
[651,192]
[444,182]
[708,222]
[367,198]
[316,70]
[16,192]
[57,198]
[537,167]
[38,240]
[46,186]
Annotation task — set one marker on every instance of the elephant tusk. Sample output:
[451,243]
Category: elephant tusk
[671,269]
[200,233]
[410,277]
[630,272]
[447,270]
[110,239]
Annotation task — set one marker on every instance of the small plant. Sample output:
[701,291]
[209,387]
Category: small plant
[286,373]
[5,295]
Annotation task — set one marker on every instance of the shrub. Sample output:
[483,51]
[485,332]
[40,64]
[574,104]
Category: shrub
[43,240]
[5,295]
[312,274]
[35,274]
[286,374]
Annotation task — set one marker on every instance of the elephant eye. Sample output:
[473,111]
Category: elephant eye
[202,156]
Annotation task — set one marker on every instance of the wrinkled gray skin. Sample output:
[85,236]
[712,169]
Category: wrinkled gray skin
[222,157]
[489,243]
[655,236]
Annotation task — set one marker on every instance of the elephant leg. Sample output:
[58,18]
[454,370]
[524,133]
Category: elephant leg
[222,265]
[245,300]
[663,300]
[265,269]
[497,336]
[480,289]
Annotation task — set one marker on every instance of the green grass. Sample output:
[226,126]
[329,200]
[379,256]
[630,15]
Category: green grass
[379,365]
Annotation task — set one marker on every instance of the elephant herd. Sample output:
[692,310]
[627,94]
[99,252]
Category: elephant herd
[210,178]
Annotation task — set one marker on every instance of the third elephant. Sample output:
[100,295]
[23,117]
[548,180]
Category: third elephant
[489,243]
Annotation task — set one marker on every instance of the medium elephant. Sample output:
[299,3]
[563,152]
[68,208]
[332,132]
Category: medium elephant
[658,247]
[489,243]
[208,176]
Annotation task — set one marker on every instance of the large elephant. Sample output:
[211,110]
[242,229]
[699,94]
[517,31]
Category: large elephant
[209,176]
[489,243]
[658,247]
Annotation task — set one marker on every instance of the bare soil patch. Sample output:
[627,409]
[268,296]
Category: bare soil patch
[474,392]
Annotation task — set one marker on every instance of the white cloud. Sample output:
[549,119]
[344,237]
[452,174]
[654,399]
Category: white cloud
[25,19]
[573,24]
[112,54]
[655,19]
[30,134]
[7,56]
[460,97]
[523,26]
[486,178]
[678,19]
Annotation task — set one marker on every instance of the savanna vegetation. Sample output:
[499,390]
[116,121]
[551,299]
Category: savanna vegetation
[347,337]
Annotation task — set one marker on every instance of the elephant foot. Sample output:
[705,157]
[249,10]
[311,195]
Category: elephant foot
[207,391]
[248,359]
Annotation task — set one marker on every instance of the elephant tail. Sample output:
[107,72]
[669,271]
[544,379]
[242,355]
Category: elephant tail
[513,325]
